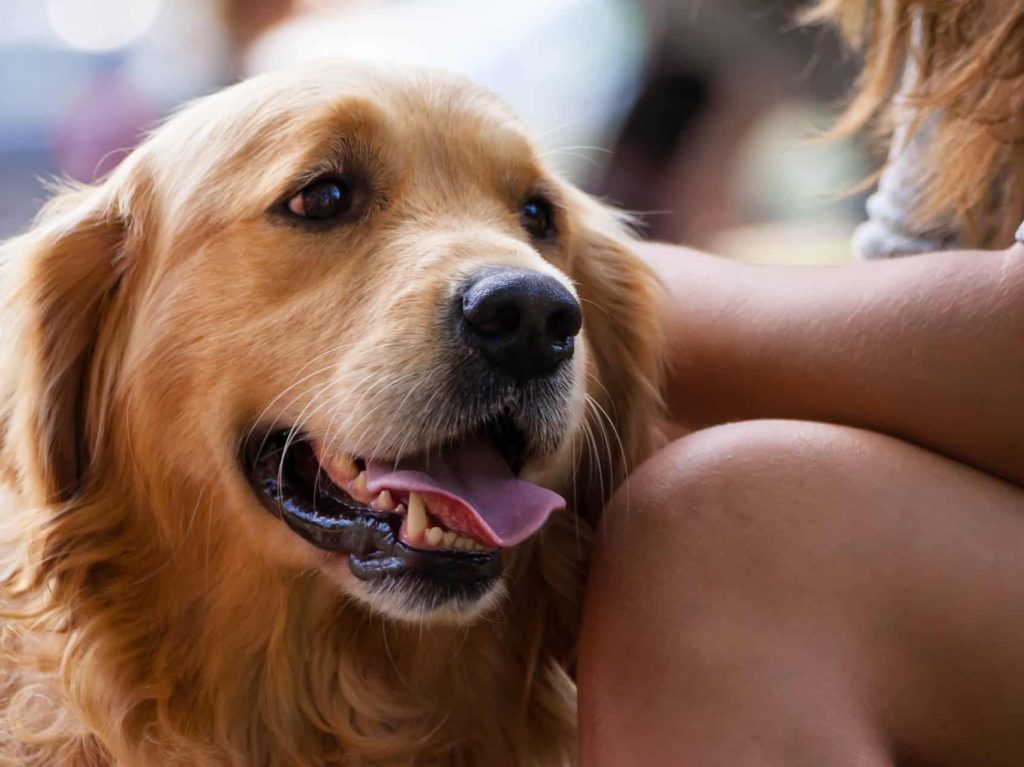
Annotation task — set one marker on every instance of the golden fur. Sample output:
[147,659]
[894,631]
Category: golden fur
[970,56]
[152,612]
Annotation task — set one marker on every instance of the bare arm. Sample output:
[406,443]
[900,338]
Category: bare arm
[926,348]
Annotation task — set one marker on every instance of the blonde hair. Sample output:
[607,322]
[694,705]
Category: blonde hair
[969,61]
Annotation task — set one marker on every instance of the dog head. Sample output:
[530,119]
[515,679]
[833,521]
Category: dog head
[335,326]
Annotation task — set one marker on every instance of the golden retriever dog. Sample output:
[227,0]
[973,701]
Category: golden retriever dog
[307,412]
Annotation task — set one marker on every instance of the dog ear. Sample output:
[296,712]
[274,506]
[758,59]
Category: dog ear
[61,276]
[619,296]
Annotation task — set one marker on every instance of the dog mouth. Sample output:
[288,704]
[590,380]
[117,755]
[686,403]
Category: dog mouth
[442,515]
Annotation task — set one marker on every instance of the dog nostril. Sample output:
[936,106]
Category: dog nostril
[563,324]
[493,321]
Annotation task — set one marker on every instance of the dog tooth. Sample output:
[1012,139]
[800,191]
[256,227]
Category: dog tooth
[449,538]
[464,543]
[434,536]
[416,520]
[359,486]
[384,501]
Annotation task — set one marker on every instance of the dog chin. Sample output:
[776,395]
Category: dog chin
[415,604]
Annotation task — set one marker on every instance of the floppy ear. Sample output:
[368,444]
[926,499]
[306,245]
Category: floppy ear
[60,276]
[619,296]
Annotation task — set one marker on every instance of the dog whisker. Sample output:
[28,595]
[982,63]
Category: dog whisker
[608,424]
[335,350]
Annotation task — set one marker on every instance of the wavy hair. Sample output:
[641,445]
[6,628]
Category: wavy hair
[969,62]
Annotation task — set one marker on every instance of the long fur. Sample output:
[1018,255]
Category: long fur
[969,56]
[152,613]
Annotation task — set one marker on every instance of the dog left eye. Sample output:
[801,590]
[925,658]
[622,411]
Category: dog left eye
[538,217]
[322,200]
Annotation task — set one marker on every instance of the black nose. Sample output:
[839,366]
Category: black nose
[522,322]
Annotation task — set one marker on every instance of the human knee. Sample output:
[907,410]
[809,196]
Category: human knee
[747,475]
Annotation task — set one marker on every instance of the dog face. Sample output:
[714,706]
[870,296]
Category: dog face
[348,306]
[322,360]
[384,323]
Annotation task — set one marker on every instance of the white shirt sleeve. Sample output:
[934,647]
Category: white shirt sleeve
[889,231]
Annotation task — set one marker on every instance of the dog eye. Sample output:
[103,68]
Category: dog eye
[324,199]
[538,218]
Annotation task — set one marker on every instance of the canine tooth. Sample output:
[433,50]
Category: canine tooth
[449,538]
[463,543]
[434,535]
[416,519]
[384,501]
[359,486]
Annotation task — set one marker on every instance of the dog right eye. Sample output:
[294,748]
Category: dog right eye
[322,200]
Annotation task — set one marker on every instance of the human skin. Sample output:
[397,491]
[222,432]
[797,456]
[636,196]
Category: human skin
[924,348]
[789,592]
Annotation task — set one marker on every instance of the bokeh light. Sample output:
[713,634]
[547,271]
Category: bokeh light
[101,25]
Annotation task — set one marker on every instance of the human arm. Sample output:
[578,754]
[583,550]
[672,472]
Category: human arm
[926,348]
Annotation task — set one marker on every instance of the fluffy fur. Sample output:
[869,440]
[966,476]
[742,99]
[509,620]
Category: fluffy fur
[970,59]
[152,612]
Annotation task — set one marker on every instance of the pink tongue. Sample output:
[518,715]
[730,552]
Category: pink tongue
[478,489]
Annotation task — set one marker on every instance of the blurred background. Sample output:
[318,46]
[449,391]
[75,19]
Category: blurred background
[697,115]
